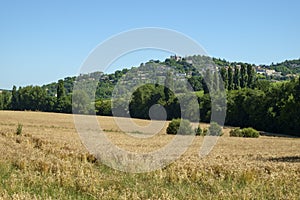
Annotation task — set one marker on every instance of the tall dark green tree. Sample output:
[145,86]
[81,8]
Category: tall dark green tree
[224,75]
[236,78]
[250,76]
[60,90]
[230,78]
[15,99]
[207,81]
[244,80]
[5,100]
[216,81]
[61,100]
[169,87]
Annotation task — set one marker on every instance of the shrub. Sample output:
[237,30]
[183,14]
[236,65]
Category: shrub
[180,126]
[237,132]
[250,132]
[198,131]
[214,129]
[245,132]
[205,132]
[19,129]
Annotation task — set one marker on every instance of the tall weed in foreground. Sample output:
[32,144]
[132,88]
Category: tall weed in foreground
[19,129]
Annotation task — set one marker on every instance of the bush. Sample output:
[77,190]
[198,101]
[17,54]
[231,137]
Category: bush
[180,126]
[246,132]
[214,129]
[19,129]
[198,131]
[237,132]
[205,132]
[250,132]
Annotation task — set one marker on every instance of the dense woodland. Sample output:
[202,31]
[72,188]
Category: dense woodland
[252,100]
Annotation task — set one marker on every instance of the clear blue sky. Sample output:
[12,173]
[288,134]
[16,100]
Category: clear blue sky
[43,41]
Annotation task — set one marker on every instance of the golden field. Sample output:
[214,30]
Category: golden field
[48,161]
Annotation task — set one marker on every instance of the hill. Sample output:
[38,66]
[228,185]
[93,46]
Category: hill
[287,67]
[181,65]
[253,100]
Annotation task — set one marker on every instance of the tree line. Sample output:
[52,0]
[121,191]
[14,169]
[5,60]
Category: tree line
[251,102]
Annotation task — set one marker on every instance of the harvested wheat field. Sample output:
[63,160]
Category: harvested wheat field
[47,160]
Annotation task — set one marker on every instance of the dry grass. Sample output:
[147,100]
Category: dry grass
[48,161]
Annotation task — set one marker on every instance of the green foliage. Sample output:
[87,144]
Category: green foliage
[205,132]
[180,126]
[244,78]
[60,89]
[236,78]
[198,131]
[29,98]
[103,107]
[267,106]
[224,75]
[214,129]
[245,132]
[196,83]
[150,94]
[287,67]
[230,79]
[205,108]
[250,76]
[242,109]
[19,129]
[81,103]
[14,99]
[250,132]
[5,100]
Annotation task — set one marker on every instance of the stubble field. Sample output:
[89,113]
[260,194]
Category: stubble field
[48,161]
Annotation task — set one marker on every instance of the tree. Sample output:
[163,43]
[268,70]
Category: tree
[15,99]
[60,90]
[31,98]
[61,100]
[5,100]
[236,78]
[224,75]
[230,79]
[1,102]
[196,82]
[80,102]
[207,81]
[243,109]
[169,87]
[103,107]
[205,108]
[250,75]
[216,81]
[243,76]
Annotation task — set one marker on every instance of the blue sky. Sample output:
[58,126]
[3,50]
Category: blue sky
[43,41]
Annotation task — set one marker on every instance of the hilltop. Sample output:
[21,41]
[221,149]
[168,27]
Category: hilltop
[184,68]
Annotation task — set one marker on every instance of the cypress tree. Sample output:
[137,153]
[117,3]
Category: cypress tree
[250,74]
[224,76]
[230,79]
[15,99]
[236,78]
[243,82]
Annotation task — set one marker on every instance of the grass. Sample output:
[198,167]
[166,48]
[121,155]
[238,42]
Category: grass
[48,161]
